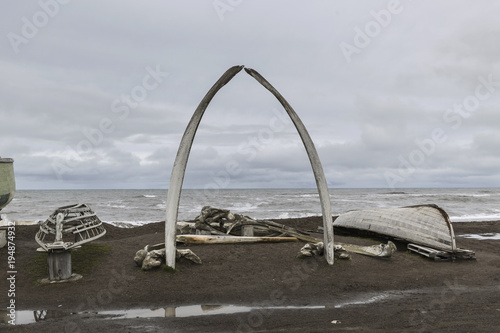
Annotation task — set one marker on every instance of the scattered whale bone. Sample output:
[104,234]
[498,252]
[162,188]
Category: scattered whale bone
[317,249]
[222,222]
[154,256]
[379,250]
[225,228]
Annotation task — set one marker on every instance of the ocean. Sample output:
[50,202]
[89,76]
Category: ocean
[128,208]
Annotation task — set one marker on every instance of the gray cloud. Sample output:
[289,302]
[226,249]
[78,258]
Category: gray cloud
[98,94]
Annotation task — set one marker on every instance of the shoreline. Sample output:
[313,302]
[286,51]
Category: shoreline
[131,224]
[405,292]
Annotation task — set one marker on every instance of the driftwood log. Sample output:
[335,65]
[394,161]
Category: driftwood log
[218,239]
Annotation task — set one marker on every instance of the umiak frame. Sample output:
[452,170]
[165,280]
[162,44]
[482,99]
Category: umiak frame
[179,167]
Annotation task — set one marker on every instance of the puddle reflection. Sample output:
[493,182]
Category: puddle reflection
[178,311]
[195,310]
[28,316]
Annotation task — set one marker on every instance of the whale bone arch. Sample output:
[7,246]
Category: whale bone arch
[180,163]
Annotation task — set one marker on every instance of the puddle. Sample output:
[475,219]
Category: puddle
[483,236]
[195,310]
[370,300]
[24,317]
[29,316]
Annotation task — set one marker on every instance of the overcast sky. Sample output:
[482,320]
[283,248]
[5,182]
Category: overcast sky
[97,94]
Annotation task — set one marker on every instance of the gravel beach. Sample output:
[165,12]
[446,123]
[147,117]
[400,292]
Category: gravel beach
[263,288]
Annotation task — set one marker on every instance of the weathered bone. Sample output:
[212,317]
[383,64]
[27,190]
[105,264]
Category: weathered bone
[379,250]
[319,174]
[180,163]
[153,256]
[179,168]
[317,249]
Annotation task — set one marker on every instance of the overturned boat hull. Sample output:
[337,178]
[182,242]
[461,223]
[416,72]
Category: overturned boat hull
[427,225]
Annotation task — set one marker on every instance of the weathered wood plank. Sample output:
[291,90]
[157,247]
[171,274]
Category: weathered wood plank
[59,265]
[216,239]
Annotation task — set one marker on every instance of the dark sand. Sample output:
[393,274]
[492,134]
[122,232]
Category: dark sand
[404,293]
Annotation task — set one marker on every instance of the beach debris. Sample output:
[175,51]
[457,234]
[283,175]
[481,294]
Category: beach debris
[317,249]
[438,255]
[221,226]
[311,250]
[153,259]
[427,227]
[378,250]
[342,250]
[140,256]
[180,163]
[188,255]
[154,256]
[186,228]
[221,222]
[77,221]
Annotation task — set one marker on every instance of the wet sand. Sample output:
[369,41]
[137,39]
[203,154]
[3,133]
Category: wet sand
[275,291]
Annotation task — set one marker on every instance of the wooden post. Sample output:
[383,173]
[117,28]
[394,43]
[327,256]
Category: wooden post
[59,265]
[59,262]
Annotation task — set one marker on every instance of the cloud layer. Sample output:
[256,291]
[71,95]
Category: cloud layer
[394,94]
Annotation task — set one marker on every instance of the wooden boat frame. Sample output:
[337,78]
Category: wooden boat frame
[78,220]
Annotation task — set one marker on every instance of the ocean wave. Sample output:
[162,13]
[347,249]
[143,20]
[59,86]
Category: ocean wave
[310,195]
[394,193]
[242,207]
[475,217]
[129,224]
[149,196]
[295,215]
[121,206]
